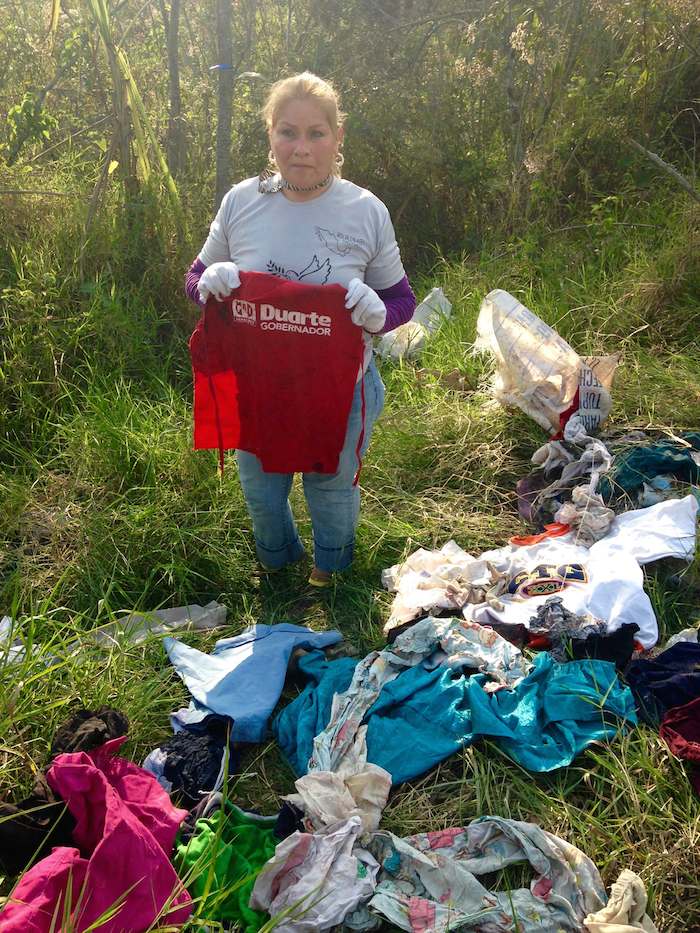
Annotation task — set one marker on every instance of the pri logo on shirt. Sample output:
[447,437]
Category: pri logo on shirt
[546,579]
[243,311]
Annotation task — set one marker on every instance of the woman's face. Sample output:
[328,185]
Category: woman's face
[303,143]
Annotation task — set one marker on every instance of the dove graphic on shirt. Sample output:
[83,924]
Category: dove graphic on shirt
[314,268]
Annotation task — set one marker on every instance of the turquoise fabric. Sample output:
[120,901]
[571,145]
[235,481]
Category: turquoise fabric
[641,464]
[419,720]
[423,710]
[423,717]
[307,715]
[554,713]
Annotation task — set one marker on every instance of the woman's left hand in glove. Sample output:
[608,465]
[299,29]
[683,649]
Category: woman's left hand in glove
[368,309]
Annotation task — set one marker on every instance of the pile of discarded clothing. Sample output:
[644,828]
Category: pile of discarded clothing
[582,482]
[112,845]
[581,477]
[541,647]
[509,588]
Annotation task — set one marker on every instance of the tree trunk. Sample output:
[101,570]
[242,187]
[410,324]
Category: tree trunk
[223,126]
[174,147]
[120,100]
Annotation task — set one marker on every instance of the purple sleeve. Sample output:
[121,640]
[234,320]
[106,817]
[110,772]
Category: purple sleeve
[400,304]
[192,279]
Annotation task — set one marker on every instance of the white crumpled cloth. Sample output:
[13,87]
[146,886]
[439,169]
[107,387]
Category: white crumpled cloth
[318,877]
[327,798]
[625,912]
[447,578]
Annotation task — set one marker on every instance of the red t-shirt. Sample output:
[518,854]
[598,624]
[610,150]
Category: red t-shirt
[275,367]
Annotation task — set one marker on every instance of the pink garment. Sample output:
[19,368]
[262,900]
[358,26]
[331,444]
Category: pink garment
[126,827]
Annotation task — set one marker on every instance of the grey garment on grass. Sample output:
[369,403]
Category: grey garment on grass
[562,625]
[563,468]
[592,461]
[587,514]
[429,882]
[243,677]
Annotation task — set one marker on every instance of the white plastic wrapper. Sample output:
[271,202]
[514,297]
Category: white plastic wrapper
[408,339]
[537,370]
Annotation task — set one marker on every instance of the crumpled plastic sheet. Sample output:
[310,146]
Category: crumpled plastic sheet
[130,627]
[408,339]
[136,627]
[687,634]
[536,369]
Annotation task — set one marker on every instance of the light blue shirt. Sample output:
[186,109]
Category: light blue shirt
[243,677]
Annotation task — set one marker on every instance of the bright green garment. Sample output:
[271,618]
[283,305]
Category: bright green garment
[221,861]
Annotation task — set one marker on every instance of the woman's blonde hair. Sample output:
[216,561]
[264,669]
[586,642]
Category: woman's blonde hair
[304,86]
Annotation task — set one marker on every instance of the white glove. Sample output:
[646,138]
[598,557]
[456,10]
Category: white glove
[219,279]
[368,309]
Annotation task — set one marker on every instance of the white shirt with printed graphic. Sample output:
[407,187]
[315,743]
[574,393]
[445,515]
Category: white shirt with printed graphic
[605,580]
[344,233]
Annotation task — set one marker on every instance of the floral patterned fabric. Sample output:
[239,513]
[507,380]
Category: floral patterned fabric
[428,882]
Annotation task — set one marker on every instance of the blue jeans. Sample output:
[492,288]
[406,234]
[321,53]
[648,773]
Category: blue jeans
[333,501]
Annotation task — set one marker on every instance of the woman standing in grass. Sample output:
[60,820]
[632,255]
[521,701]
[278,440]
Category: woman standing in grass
[305,223]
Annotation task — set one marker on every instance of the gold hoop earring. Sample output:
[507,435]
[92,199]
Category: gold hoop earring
[339,159]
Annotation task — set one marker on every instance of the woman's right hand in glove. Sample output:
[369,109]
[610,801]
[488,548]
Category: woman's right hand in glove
[219,279]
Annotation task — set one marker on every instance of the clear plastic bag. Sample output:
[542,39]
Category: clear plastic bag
[408,339]
[536,370]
